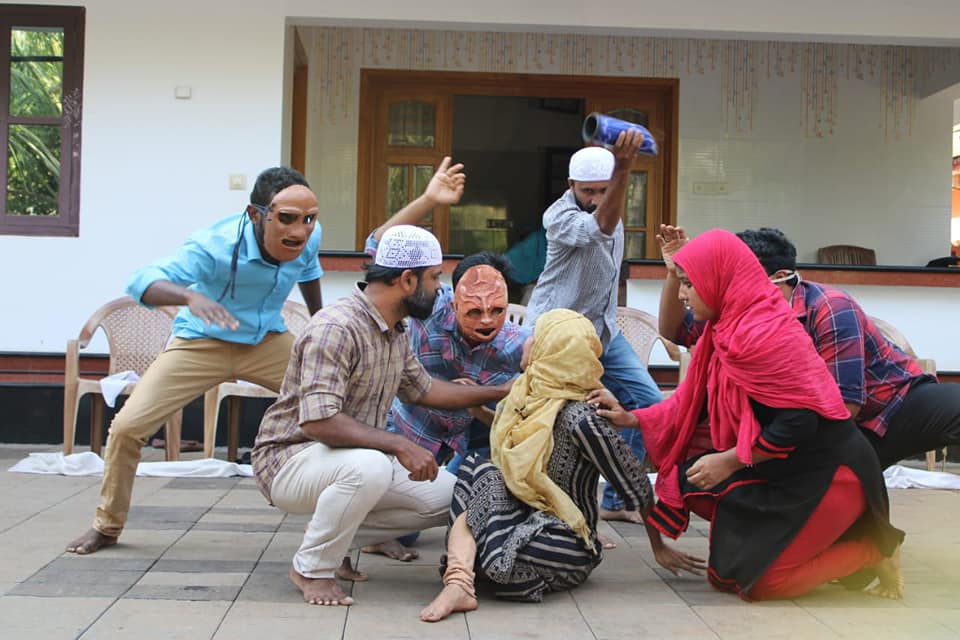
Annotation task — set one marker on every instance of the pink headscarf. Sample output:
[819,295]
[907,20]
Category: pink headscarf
[754,348]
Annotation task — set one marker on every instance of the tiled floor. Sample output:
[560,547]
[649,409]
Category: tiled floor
[205,558]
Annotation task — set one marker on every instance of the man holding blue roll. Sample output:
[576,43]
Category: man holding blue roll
[584,251]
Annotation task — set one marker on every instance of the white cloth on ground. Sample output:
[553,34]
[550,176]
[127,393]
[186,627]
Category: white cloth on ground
[90,464]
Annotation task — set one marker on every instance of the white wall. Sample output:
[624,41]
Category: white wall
[920,313]
[153,168]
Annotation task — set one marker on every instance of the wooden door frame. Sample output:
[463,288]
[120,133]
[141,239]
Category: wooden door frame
[375,82]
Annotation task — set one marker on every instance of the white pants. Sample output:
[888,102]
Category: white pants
[357,497]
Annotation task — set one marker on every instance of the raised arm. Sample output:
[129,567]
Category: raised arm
[672,311]
[610,210]
[444,188]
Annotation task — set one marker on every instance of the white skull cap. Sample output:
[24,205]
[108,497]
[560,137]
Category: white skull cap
[591,164]
[406,246]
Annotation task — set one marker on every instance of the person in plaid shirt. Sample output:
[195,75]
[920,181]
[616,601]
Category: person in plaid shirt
[902,411]
[466,339]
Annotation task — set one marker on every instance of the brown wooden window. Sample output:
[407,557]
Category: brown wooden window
[41,95]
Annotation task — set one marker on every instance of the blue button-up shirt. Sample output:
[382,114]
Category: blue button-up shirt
[202,264]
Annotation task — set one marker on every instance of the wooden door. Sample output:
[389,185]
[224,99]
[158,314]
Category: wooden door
[410,136]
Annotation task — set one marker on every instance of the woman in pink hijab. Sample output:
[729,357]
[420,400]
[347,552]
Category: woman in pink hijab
[793,490]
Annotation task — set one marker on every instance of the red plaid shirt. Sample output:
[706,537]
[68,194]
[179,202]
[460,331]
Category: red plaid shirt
[870,370]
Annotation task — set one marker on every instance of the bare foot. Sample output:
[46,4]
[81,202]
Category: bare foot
[346,572]
[393,549]
[605,542]
[450,600]
[324,591]
[91,541]
[621,514]
[891,579]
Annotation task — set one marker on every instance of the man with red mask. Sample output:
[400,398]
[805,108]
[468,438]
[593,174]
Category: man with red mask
[466,339]
[231,280]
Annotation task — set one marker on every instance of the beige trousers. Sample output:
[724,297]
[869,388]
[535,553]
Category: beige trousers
[357,497]
[185,370]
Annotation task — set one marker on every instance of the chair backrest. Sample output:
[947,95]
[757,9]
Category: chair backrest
[846,254]
[296,316]
[641,331]
[893,334]
[516,313]
[135,334]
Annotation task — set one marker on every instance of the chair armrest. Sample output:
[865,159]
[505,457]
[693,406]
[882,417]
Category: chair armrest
[71,368]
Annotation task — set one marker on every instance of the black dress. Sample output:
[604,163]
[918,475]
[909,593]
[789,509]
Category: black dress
[759,510]
[526,552]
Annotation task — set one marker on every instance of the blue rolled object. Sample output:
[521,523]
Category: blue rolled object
[600,128]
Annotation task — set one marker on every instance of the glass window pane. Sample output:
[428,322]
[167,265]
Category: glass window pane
[476,227]
[33,170]
[630,115]
[397,193]
[636,207]
[412,124]
[36,72]
[635,244]
[421,178]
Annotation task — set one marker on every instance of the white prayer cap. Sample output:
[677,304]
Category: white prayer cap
[406,246]
[591,164]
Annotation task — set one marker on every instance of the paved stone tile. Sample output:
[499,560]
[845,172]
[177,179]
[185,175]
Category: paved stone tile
[71,576]
[883,623]
[99,588]
[46,619]
[378,620]
[555,617]
[203,566]
[180,579]
[160,517]
[158,620]
[746,623]
[199,484]
[185,592]
[261,621]
[100,562]
[218,545]
[620,620]
[247,527]
[268,514]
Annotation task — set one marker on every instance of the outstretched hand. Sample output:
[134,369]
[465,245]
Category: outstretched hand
[676,561]
[608,407]
[446,185]
[211,312]
[671,240]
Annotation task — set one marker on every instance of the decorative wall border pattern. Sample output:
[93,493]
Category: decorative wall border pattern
[337,55]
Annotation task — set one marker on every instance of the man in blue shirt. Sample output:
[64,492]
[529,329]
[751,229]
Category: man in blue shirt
[231,280]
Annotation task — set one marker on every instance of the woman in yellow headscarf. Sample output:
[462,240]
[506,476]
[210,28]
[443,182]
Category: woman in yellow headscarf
[528,520]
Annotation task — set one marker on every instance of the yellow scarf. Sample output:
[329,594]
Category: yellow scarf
[564,365]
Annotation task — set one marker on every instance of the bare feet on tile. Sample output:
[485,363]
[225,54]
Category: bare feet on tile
[891,579]
[323,591]
[90,542]
[622,514]
[393,549]
[346,572]
[606,542]
[452,599]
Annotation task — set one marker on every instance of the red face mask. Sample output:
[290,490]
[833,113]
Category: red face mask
[480,302]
